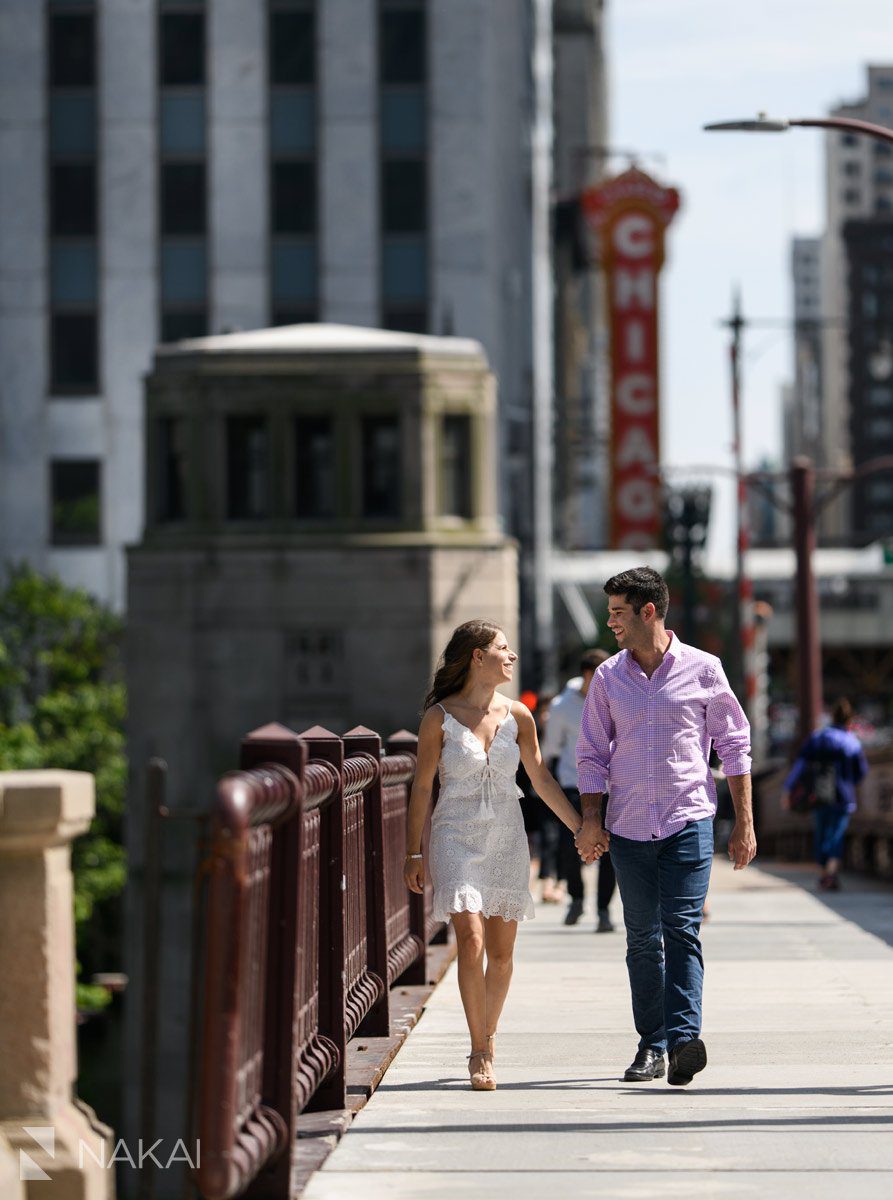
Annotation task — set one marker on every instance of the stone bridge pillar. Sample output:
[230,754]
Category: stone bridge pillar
[51,1145]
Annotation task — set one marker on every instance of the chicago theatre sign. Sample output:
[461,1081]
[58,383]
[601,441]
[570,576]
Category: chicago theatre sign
[628,216]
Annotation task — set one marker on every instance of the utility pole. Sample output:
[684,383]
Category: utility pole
[543,356]
[745,634]
[809,649]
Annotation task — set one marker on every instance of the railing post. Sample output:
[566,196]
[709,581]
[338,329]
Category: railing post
[323,745]
[404,742]
[41,812]
[277,744]
[377,1022]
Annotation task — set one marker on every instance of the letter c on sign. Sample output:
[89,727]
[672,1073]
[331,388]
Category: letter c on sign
[634,236]
[635,394]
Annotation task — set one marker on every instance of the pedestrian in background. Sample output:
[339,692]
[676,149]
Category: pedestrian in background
[649,719]
[827,770]
[559,746]
[549,827]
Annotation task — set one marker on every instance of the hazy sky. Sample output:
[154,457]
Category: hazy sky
[674,65]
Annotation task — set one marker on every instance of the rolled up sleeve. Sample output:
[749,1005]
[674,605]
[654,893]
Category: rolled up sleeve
[594,742]
[729,728]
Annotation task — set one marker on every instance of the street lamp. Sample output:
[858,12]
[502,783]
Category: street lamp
[802,474]
[763,124]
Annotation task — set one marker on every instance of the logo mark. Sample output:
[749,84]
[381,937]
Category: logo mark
[45,1136]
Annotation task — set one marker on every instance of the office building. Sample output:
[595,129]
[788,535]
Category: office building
[176,168]
[855,305]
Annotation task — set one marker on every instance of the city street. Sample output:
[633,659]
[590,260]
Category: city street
[797,1098]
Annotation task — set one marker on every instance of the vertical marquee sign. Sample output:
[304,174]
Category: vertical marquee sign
[629,215]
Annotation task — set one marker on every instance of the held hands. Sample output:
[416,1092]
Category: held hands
[592,841]
[414,873]
[742,845]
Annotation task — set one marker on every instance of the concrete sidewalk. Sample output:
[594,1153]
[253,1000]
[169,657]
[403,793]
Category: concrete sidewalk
[797,1098]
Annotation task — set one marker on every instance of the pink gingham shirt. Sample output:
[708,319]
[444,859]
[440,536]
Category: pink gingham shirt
[646,742]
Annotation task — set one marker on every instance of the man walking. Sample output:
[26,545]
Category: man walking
[650,716]
[560,743]
[829,766]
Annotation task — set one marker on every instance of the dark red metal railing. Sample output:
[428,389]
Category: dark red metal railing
[308,924]
[239,1133]
[404,925]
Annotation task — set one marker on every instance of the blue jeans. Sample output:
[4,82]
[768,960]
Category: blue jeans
[830,826]
[663,885]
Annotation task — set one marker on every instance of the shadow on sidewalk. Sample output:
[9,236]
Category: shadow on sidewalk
[865,901]
[859,1120]
[614,1084]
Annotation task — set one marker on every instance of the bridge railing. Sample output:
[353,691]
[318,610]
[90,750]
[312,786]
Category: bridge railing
[308,923]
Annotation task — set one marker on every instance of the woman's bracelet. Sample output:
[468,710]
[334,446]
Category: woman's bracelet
[415,856]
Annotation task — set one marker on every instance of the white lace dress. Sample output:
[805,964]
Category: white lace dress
[478,850]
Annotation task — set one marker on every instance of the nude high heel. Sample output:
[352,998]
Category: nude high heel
[480,1068]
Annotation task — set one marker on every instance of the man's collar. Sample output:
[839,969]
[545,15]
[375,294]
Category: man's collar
[675,647]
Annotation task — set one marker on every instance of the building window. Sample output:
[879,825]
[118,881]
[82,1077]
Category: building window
[292,43]
[403,138]
[183,199]
[182,49]
[182,171]
[247,469]
[851,196]
[72,39]
[403,38]
[381,473]
[315,467]
[880,427]
[880,491]
[73,201]
[852,168]
[171,465]
[455,466]
[75,502]
[294,197]
[294,285]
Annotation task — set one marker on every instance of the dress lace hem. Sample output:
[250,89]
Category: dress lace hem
[508,903]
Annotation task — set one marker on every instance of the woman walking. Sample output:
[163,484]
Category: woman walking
[473,737]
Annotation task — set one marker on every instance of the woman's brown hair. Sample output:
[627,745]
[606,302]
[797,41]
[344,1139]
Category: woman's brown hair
[455,662]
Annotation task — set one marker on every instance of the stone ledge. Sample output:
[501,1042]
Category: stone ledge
[43,808]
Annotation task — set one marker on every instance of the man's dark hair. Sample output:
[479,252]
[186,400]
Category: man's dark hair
[843,713]
[592,659]
[641,585]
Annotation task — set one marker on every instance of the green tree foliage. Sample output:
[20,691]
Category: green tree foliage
[62,705]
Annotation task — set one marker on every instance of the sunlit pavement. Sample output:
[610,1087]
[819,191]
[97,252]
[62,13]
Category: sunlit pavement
[797,1098]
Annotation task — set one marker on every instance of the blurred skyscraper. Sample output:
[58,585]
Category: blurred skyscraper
[171,168]
[843,346]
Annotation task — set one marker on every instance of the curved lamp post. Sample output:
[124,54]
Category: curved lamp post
[806,505]
[763,124]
